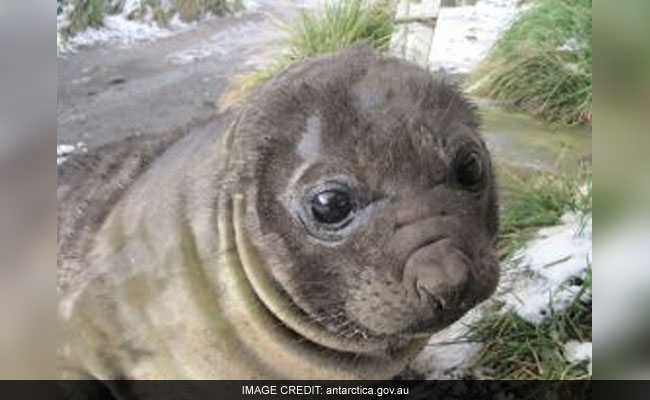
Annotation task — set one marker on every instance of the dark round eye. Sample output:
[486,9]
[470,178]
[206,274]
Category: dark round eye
[468,170]
[331,206]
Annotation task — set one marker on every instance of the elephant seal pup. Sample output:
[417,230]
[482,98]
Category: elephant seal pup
[346,215]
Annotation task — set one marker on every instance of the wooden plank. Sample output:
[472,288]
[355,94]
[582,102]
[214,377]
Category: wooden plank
[416,23]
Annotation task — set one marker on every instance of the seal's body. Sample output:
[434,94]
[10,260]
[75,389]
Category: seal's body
[346,215]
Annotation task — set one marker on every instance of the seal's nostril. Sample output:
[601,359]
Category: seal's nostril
[439,273]
[442,304]
[438,303]
[428,294]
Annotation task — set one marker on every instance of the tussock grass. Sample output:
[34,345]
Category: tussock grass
[190,10]
[542,64]
[516,349]
[540,200]
[187,10]
[86,13]
[154,8]
[339,24]
[513,347]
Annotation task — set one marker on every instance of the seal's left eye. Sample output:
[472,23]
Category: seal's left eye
[468,170]
[331,206]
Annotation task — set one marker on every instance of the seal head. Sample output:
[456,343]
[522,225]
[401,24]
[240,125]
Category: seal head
[367,198]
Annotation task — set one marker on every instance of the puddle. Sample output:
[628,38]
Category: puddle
[522,142]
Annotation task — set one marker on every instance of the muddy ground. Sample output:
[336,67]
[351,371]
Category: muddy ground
[106,92]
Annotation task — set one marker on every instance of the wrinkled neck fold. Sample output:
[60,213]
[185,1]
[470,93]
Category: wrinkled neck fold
[278,331]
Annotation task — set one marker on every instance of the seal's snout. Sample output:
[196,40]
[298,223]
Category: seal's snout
[436,277]
[437,273]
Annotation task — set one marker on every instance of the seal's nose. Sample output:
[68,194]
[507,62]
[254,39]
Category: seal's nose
[437,273]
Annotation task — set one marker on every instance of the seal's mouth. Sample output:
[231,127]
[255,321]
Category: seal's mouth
[433,291]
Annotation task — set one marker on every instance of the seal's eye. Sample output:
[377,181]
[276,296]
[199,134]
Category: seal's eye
[331,206]
[468,170]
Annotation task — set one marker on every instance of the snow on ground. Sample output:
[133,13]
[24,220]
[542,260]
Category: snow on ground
[255,5]
[119,30]
[448,355]
[63,151]
[540,280]
[577,352]
[534,281]
[464,34]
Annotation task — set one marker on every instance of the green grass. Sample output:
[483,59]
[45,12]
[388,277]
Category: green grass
[187,10]
[86,13]
[154,8]
[516,349]
[538,199]
[513,347]
[528,69]
[339,24]
[190,10]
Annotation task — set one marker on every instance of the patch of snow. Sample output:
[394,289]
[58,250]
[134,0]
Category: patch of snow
[577,352]
[63,151]
[545,266]
[131,5]
[464,35]
[62,20]
[254,5]
[121,31]
[569,242]
[448,355]
[571,45]
[118,29]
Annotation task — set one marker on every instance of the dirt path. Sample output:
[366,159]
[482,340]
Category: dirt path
[107,92]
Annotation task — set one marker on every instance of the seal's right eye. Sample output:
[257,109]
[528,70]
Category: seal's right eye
[332,206]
